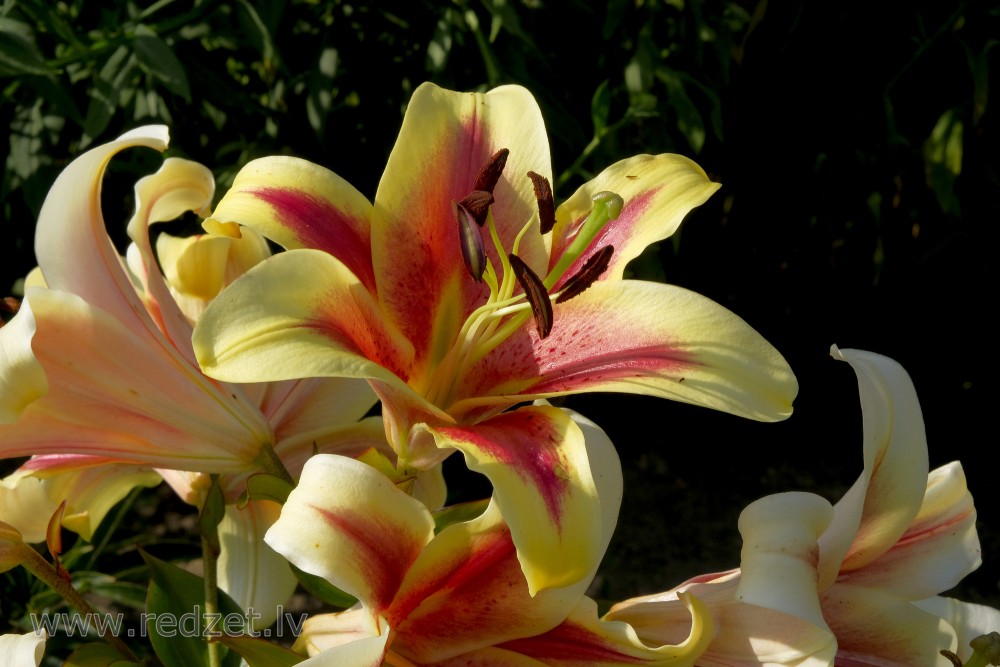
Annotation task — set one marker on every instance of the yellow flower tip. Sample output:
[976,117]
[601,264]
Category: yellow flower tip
[702,626]
[218,228]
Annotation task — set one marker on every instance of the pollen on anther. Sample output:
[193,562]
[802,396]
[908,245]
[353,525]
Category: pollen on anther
[535,293]
[490,174]
[586,276]
[546,204]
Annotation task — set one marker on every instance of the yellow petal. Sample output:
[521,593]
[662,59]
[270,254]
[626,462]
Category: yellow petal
[299,314]
[659,191]
[538,462]
[445,139]
[348,523]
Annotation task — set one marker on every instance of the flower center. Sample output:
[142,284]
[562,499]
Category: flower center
[506,309]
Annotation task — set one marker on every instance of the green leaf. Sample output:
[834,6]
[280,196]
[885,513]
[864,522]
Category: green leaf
[254,30]
[105,93]
[18,53]
[323,589]
[96,655]
[175,621]
[157,58]
[943,160]
[600,107]
[260,653]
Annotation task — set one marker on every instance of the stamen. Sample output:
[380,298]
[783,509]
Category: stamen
[471,240]
[546,205]
[477,203]
[489,175]
[586,276]
[535,293]
[607,207]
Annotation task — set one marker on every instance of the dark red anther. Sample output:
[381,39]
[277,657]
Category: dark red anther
[477,203]
[488,176]
[587,275]
[535,293]
[471,240]
[546,205]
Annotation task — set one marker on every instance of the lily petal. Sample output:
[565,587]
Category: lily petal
[298,204]
[968,620]
[177,187]
[779,557]
[537,459]
[256,577]
[584,640]
[466,591]
[445,139]
[659,191]
[196,268]
[938,549]
[333,642]
[110,395]
[745,634]
[29,496]
[301,313]
[22,377]
[71,242]
[22,650]
[883,502]
[677,345]
[347,523]
[876,628]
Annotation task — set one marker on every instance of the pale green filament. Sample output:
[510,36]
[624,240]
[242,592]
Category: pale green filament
[607,207]
[491,324]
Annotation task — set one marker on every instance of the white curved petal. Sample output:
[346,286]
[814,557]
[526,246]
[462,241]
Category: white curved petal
[880,506]
[780,553]
[253,574]
[22,650]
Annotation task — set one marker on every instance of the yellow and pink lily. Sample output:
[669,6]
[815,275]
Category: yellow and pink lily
[451,595]
[856,583]
[462,292]
[98,380]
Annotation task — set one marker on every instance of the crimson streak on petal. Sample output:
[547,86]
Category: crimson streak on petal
[522,442]
[323,227]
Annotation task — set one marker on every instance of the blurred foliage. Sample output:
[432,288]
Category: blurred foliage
[857,147]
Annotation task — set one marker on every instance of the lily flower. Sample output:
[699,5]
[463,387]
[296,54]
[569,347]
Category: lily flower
[462,292]
[98,379]
[445,595]
[864,588]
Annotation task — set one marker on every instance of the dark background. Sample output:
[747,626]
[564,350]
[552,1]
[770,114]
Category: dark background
[838,220]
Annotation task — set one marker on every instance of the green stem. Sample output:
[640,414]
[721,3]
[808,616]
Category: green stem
[211,515]
[210,558]
[39,567]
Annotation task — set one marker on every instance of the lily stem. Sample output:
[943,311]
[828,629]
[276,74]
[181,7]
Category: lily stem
[38,566]
[208,523]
